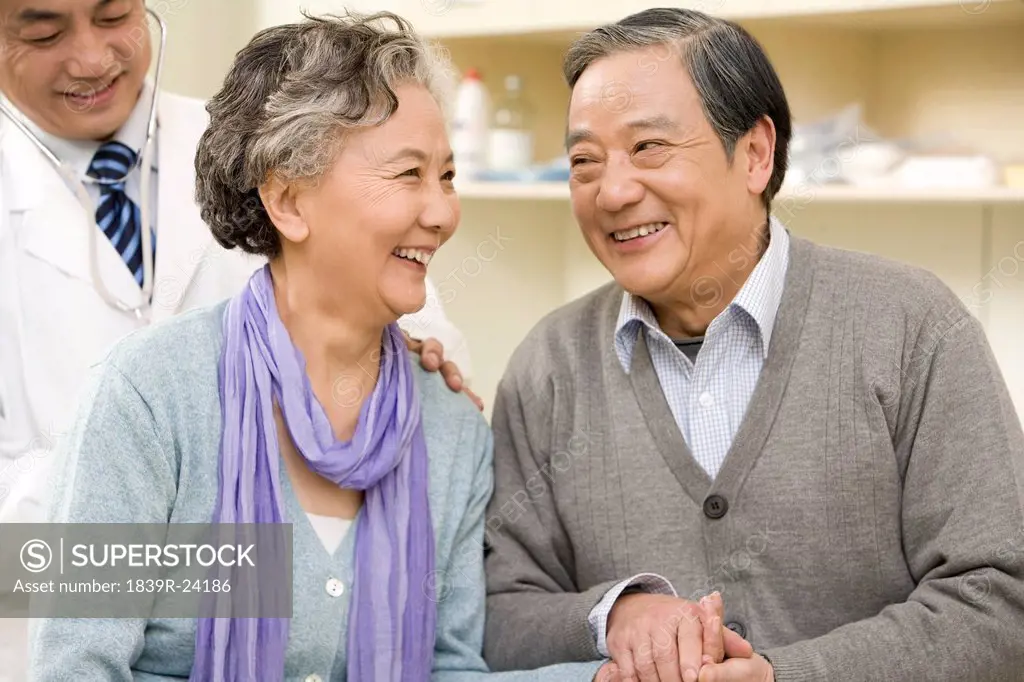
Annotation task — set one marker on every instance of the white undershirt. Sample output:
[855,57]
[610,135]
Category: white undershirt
[330,529]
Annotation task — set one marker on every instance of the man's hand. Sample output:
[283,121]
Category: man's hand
[753,669]
[431,354]
[609,672]
[657,638]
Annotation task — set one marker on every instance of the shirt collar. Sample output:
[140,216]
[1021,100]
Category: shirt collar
[78,153]
[761,294]
[759,297]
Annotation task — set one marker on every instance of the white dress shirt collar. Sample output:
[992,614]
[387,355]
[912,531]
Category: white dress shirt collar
[759,297]
[78,153]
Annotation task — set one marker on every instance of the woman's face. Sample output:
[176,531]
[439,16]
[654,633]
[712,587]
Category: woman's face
[379,214]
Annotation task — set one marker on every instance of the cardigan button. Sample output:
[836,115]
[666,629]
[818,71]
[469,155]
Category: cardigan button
[335,587]
[314,678]
[715,506]
[738,628]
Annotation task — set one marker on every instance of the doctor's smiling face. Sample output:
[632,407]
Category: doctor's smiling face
[74,67]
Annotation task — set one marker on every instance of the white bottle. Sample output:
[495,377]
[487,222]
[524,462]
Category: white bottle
[511,137]
[470,126]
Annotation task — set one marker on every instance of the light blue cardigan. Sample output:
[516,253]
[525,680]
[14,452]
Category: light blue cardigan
[144,449]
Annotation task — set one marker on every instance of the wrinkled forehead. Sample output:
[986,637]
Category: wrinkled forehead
[414,132]
[630,91]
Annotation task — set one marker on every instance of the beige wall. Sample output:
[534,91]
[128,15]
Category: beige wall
[204,35]
[910,82]
[512,261]
[202,39]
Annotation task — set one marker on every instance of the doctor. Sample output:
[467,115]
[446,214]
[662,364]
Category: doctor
[77,269]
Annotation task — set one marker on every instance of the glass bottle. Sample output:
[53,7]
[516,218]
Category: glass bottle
[511,134]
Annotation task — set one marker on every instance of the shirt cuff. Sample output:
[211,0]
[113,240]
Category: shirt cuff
[650,583]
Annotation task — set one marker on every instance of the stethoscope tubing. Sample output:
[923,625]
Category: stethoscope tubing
[77,184]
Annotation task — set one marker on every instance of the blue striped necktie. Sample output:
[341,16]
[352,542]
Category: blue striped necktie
[117,215]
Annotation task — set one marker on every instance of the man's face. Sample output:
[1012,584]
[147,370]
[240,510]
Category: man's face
[74,67]
[653,191]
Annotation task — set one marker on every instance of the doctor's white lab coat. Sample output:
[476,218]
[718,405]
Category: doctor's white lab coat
[54,325]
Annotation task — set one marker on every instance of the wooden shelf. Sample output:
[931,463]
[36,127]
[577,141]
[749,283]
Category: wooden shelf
[462,19]
[452,19]
[551,191]
[937,195]
[536,191]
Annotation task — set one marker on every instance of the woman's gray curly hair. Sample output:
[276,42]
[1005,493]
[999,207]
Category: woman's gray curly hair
[285,106]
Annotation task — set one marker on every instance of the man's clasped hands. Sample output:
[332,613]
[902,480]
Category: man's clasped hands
[660,638]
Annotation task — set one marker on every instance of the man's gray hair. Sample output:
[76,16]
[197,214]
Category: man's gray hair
[732,74]
[286,104]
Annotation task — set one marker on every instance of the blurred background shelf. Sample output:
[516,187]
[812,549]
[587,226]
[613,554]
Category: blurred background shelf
[841,194]
[951,70]
[452,19]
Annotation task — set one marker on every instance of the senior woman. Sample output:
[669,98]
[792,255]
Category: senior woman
[296,402]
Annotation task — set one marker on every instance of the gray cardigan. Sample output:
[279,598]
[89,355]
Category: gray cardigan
[144,449]
[867,523]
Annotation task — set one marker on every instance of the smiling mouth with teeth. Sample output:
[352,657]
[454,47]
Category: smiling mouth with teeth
[89,92]
[639,231]
[417,255]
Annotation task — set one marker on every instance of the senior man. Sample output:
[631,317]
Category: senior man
[821,436]
[73,73]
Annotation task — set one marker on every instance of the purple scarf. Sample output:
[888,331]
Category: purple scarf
[391,617]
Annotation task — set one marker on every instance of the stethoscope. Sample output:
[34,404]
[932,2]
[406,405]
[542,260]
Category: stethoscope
[77,184]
